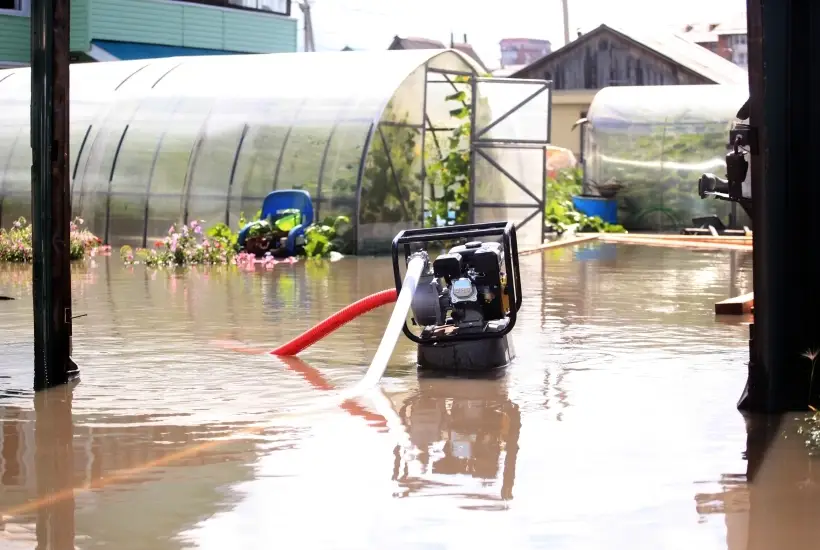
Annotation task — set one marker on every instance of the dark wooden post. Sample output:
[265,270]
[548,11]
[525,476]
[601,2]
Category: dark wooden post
[50,193]
[785,107]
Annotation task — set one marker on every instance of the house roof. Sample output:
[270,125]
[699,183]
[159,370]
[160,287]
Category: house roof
[467,49]
[416,43]
[699,33]
[670,46]
[709,32]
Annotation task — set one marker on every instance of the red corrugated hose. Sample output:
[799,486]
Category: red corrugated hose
[335,321]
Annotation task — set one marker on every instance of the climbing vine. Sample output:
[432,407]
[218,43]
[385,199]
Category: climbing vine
[449,172]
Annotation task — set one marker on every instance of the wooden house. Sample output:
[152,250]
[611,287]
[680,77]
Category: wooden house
[606,56]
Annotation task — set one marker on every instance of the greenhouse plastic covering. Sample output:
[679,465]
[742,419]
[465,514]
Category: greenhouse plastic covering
[158,142]
[657,141]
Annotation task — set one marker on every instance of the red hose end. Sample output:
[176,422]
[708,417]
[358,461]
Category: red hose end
[335,321]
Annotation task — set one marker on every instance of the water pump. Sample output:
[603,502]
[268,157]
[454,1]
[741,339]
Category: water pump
[467,298]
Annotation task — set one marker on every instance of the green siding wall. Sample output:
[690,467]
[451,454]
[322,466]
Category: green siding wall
[14,38]
[15,41]
[80,19]
[190,25]
[158,22]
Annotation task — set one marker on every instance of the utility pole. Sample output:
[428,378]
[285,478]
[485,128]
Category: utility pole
[310,45]
[565,6]
[51,193]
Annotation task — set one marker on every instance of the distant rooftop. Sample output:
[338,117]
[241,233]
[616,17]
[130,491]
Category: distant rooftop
[416,43]
[704,32]
[677,49]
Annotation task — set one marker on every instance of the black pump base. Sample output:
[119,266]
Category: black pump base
[482,355]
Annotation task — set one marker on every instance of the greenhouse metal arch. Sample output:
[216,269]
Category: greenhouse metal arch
[158,142]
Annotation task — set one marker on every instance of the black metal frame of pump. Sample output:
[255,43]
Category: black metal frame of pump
[505,230]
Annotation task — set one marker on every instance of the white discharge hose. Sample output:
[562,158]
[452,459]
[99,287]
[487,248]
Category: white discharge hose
[393,331]
[379,363]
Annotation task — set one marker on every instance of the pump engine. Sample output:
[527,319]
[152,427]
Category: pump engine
[742,141]
[467,298]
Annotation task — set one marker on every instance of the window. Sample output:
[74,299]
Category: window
[279,7]
[15,7]
[274,6]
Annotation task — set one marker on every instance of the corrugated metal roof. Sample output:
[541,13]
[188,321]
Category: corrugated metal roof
[692,56]
[677,49]
[416,43]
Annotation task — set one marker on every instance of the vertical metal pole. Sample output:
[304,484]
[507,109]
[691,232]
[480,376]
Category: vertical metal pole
[543,205]
[565,9]
[424,144]
[473,118]
[50,193]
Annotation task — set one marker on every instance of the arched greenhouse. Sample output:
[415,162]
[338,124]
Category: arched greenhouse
[158,142]
[657,141]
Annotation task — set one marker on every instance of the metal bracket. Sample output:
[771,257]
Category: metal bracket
[745,136]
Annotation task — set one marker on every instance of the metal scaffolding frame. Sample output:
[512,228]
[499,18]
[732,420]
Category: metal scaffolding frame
[481,140]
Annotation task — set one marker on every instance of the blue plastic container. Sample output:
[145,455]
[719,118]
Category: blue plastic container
[606,209]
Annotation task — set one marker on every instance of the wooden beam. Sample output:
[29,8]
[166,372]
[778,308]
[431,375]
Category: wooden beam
[560,243]
[739,305]
[669,243]
[712,240]
[695,238]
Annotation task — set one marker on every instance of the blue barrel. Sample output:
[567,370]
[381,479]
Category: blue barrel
[606,209]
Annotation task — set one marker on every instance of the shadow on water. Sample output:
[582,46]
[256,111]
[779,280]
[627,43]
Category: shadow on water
[615,427]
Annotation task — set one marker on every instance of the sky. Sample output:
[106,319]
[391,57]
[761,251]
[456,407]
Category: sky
[372,24]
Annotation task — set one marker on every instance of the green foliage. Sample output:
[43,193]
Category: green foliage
[391,185]
[561,215]
[182,247]
[16,243]
[450,171]
[323,238]
[273,227]
[221,233]
[243,221]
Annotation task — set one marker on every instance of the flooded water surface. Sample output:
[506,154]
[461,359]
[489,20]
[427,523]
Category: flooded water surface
[615,426]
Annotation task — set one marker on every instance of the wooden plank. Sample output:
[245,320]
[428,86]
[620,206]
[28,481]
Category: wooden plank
[695,238]
[739,305]
[560,243]
[670,243]
[713,240]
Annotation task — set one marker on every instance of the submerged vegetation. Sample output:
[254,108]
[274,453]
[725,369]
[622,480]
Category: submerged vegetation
[16,243]
[810,427]
[192,244]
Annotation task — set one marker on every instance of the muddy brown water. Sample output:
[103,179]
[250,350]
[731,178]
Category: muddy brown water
[615,427]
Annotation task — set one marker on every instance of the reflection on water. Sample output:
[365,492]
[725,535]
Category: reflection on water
[615,427]
[465,428]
